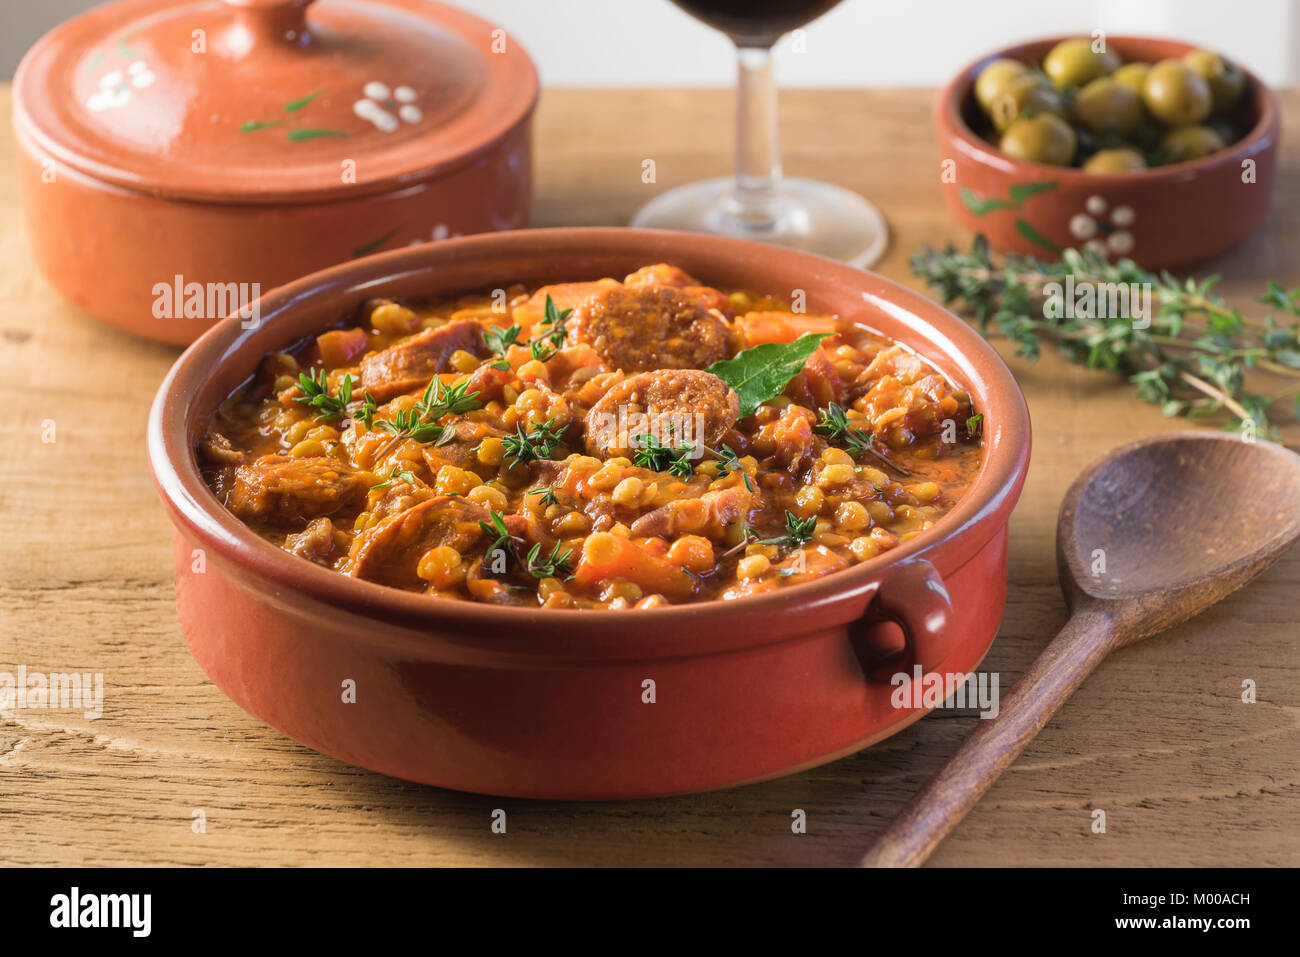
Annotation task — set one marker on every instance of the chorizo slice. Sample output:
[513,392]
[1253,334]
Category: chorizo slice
[639,329]
[662,274]
[677,406]
[389,552]
[411,363]
[282,490]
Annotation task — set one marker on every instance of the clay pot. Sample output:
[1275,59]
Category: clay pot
[542,703]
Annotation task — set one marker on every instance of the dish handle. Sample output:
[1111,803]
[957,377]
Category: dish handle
[912,596]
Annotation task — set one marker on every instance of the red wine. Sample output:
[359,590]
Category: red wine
[755,22]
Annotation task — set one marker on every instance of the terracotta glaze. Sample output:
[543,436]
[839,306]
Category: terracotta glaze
[1167,217]
[252,141]
[569,703]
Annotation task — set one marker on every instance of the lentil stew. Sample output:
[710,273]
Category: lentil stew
[597,444]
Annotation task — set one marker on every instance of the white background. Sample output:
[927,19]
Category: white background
[859,43]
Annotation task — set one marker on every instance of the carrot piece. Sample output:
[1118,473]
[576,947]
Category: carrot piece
[565,295]
[762,327]
[606,557]
[339,347]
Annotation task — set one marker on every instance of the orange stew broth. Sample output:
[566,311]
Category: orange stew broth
[601,530]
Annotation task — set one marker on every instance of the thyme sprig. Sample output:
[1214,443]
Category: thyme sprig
[539,442]
[834,424]
[1191,359]
[557,564]
[421,422]
[316,394]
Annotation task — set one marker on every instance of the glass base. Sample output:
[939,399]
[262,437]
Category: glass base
[798,213]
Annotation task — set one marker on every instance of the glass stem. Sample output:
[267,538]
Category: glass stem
[758,149]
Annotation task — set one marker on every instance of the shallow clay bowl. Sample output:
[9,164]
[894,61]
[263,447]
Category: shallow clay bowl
[553,703]
[1163,218]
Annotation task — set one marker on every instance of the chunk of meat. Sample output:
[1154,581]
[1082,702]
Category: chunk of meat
[389,552]
[462,451]
[652,327]
[314,543]
[818,384]
[216,449]
[677,406]
[282,490]
[411,363]
[904,398]
[709,515]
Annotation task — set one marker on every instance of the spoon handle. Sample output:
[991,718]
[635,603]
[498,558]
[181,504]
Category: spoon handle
[944,800]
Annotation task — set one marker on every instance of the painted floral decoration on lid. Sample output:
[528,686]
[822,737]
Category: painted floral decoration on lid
[268,100]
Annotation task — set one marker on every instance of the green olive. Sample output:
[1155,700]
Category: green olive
[1176,94]
[1224,77]
[1041,138]
[1075,63]
[993,79]
[1132,75]
[1106,105]
[1024,96]
[1122,160]
[1190,142]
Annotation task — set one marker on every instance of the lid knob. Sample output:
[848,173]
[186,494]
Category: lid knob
[269,21]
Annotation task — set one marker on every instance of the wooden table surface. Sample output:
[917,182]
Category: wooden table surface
[1158,737]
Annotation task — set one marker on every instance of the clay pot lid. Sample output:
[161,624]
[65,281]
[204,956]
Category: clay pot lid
[259,101]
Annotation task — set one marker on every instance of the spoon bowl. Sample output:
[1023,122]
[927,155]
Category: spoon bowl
[1148,536]
[1164,527]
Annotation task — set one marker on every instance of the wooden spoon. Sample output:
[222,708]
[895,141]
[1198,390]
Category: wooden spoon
[1152,534]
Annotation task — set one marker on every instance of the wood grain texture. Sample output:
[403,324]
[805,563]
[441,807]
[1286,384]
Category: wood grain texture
[1158,736]
[1169,511]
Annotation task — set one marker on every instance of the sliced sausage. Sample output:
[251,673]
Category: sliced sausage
[411,363]
[649,327]
[283,490]
[678,406]
[708,515]
[662,274]
[389,553]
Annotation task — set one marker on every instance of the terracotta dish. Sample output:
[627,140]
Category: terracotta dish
[1166,217]
[174,159]
[567,703]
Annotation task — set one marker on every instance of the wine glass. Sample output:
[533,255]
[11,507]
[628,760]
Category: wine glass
[758,202]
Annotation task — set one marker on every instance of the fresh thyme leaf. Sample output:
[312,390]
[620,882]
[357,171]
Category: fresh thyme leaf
[537,443]
[439,399]
[728,462]
[366,413]
[798,531]
[316,394]
[498,534]
[499,340]
[556,564]
[420,422]
[403,474]
[834,424]
[547,493]
[763,372]
[1190,355]
[654,455]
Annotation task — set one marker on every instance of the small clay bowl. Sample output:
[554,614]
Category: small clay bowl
[176,158]
[1166,217]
